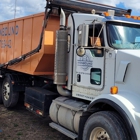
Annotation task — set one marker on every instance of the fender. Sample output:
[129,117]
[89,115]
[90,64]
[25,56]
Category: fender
[128,106]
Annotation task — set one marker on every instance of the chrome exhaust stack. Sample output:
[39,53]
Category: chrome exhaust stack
[62,19]
[61,56]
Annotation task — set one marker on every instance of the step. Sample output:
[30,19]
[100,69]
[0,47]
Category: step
[64,131]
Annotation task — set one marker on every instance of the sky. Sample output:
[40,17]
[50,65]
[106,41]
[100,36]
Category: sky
[28,7]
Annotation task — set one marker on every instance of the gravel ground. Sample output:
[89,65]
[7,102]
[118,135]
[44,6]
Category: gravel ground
[20,124]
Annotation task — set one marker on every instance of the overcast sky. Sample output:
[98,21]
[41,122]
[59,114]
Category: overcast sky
[28,7]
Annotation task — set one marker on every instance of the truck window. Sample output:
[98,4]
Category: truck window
[95,76]
[123,35]
[97,52]
[96,39]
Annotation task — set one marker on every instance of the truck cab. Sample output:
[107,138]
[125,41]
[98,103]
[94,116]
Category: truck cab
[103,51]
[107,68]
[102,66]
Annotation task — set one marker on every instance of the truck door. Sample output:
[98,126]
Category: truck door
[89,71]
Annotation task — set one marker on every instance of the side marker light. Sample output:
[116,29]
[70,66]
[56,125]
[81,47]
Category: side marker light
[127,16]
[27,105]
[39,112]
[114,90]
[106,14]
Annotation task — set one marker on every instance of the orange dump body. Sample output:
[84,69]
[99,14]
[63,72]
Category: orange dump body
[20,36]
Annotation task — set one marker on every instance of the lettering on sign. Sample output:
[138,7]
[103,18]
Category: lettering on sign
[8,31]
[5,43]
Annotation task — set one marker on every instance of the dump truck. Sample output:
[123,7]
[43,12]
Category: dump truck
[81,68]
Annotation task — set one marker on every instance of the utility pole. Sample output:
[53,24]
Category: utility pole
[15,8]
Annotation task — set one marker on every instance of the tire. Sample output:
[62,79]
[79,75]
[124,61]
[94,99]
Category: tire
[105,125]
[9,97]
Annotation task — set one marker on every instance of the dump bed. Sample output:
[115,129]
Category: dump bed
[20,36]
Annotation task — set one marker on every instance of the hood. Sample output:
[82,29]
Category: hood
[127,74]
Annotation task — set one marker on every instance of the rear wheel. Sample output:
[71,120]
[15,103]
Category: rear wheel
[9,97]
[105,125]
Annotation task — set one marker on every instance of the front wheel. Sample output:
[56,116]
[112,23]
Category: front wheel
[105,125]
[9,97]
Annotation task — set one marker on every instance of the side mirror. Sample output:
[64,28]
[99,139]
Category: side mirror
[83,32]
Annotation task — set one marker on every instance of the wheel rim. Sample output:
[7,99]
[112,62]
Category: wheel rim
[6,91]
[99,133]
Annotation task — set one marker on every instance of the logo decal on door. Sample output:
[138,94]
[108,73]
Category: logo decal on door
[84,62]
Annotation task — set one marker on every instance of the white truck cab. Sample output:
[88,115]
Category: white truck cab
[110,63]
[102,69]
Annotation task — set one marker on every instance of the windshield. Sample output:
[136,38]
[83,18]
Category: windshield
[123,35]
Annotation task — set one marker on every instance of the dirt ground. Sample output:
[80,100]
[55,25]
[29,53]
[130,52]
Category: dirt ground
[20,124]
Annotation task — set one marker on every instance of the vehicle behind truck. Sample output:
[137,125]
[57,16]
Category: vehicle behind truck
[82,70]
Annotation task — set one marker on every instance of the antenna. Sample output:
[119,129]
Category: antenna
[15,9]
